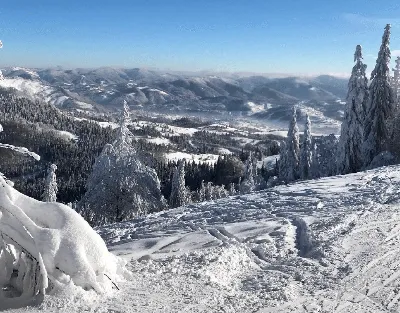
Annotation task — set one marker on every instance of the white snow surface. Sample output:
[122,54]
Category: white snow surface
[197,158]
[326,245]
[159,141]
[30,87]
[66,135]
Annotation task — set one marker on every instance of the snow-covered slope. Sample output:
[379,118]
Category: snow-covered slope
[328,245]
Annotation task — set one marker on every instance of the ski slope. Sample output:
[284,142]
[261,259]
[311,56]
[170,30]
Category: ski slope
[327,245]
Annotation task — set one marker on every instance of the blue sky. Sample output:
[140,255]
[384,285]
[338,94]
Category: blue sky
[264,36]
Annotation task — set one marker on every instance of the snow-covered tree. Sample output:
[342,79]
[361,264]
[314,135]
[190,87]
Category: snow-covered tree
[247,185]
[395,143]
[349,156]
[120,186]
[306,152]
[289,158]
[315,166]
[50,185]
[232,189]
[220,192]
[327,148]
[179,195]
[209,191]
[380,108]
[202,192]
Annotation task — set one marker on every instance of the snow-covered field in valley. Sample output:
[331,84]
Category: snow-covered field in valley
[327,245]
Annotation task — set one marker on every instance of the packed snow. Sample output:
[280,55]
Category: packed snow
[66,135]
[159,141]
[327,245]
[197,158]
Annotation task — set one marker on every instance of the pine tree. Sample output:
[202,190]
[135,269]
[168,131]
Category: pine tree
[179,195]
[351,138]
[306,152]
[395,144]
[380,108]
[289,160]
[50,185]
[202,192]
[209,191]
[248,185]
[232,190]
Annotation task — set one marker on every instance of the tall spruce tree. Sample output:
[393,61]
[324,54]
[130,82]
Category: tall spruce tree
[120,186]
[248,184]
[395,144]
[349,157]
[380,108]
[289,159]
[306,152]
[50,185]
[315,166]
[179,196]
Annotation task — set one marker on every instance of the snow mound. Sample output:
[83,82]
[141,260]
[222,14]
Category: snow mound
[66,249]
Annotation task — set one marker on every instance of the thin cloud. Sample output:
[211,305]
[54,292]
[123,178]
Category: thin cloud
[369,21]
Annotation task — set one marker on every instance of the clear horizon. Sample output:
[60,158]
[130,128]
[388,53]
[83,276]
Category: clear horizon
[282,38]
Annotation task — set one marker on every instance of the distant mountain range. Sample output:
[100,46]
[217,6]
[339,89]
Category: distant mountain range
[104,89]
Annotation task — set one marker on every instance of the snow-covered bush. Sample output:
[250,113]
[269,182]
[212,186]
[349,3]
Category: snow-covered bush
[290,153]
[179,194]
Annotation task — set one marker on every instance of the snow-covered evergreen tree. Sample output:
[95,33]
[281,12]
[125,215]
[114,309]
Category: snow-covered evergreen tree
[202,192]
[209,191]
[349,156]
[315,167]
[179,195]
[395,143]
[248,185]
[232,189]
[306,152]
[380,108]
[50,185]
[120,186]
[289,158]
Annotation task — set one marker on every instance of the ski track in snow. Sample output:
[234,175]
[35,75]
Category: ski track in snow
[327,245]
